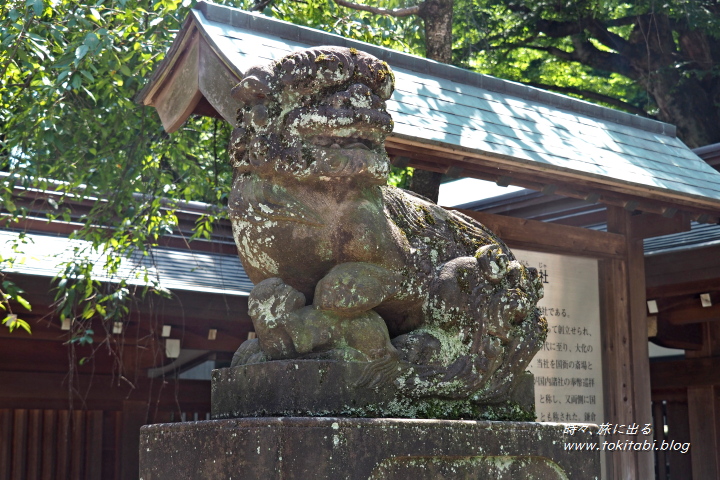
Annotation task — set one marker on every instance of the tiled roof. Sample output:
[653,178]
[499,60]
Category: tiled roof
[699,236]
[171,269]
[444,105]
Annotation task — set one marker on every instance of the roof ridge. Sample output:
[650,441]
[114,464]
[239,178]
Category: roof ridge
[239,18]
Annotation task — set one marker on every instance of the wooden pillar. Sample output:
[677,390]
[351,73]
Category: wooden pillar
[626,364]
[704,412]
[704,418]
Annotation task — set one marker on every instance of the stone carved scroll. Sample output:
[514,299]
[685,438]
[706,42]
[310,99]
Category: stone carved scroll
[427,304]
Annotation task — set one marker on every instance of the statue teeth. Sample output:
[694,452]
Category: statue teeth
[359,145]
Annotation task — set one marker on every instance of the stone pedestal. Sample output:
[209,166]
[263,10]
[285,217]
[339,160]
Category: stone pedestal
[322,388]
[363,448]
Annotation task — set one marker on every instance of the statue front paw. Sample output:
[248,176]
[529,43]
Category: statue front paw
[273,299]
[249,352]
[355,287]
[273,306]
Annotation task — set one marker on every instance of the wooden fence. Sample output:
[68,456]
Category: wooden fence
[64,444]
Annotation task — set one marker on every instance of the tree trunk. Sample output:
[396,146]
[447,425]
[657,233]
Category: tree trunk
[686,97]
[425,183]
[674,60]
[689,105]
[437,17]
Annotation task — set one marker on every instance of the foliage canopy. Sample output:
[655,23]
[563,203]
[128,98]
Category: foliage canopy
[69,72]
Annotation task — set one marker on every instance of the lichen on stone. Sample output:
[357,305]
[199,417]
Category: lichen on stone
[430,300]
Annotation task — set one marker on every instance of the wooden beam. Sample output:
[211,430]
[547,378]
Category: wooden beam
[542,236]
[681,289]
[690,372]
[691,314]
[180,92]
[185,308]
[654,198]
[215,81]
[711,341]
[669,394]
[650,225]
[684,337]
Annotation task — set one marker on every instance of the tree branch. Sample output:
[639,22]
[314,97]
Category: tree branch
[617,22]
[554,51]
[615,102]
[555,29]
[393,12]
[586,53]
[559,29]
[260,5]
[609,39]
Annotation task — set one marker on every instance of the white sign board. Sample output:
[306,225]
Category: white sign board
[568,367]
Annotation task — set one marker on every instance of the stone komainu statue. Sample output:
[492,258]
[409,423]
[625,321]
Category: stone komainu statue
[349,269]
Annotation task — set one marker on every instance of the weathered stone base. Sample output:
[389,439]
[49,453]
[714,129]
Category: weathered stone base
[363,448]
[323,388]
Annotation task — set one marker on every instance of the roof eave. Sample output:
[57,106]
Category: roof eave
[194,77]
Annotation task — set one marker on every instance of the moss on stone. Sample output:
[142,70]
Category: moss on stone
[462,281]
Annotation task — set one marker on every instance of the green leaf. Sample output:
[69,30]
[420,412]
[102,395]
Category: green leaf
[37,6]
[87,75]
[91,40]
[90,94]
[88,313]
[76,81]
[24,325]
[12,322]
[95,14]
[81,51]
[23,302]
[9,205]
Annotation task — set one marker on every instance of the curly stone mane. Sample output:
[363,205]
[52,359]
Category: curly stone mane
[302,94]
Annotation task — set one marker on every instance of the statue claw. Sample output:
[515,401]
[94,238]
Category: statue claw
[378,372]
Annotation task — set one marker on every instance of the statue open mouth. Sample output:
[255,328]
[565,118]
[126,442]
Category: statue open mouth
[344,143]
[348,156]
[325,125]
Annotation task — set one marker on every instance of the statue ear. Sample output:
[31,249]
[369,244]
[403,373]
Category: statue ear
[252,89]
[238,148]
